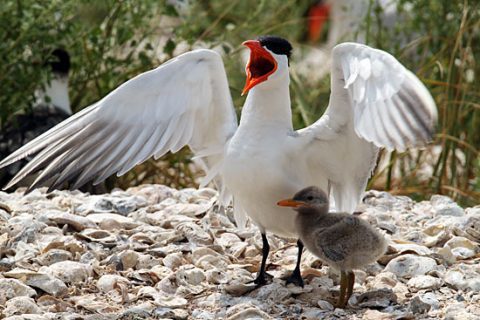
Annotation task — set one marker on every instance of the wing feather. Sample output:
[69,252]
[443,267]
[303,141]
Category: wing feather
[184,102]
[375,102]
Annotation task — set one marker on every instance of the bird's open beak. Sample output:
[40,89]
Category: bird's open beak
[290,203]
[260,65]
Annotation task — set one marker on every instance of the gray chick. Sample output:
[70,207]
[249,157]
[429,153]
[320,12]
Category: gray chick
[343,241]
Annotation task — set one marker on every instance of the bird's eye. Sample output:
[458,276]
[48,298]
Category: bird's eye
[309,198]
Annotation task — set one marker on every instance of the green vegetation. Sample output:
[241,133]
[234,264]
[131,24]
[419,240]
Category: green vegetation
[111,41]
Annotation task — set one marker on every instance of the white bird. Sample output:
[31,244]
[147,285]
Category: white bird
[375,102]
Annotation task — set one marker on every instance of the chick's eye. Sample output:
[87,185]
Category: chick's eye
[310,198]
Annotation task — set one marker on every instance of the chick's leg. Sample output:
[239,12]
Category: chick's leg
[342,302]
[351,283]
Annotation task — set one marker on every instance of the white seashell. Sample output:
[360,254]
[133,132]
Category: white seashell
[409,265]
[170,301]
[78,223]
[108,282]
[251,251]
[53,256]
[436,234]
[129,259]
[445,206]
[456,279]
[409,247]
[169,313]
[161,271]
[20,306]
[246,311]
[189,275]
[94,303]
[194,233]
[69,271]
[424,282]
[325,305]
[273,292]
[115,220]
[217,276]
[152,193]
[187,209]
[103,237]
[237,249]
[11,288]
[227,239]
[146,261]
[462,248]
[168,284]
[380,298]
[422,303]
[39,280]
[173,260]
[207,258]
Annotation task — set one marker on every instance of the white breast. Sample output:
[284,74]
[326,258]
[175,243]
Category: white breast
[259,171]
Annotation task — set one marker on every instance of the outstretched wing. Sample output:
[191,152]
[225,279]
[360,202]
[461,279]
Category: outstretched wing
[185,101]
[375,102]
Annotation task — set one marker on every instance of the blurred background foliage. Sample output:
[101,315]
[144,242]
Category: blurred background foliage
[111,41]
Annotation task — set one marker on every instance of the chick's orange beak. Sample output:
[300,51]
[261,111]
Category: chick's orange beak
[289,203]
[260,65]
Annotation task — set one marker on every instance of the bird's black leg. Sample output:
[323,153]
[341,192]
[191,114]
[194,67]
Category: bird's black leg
[262,275]
[296,276]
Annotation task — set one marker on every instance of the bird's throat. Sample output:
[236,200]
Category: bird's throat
[268,104]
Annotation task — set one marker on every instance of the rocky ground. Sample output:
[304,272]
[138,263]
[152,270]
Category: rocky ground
[152,252]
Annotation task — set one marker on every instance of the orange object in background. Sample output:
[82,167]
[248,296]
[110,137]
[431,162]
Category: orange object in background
[317,16]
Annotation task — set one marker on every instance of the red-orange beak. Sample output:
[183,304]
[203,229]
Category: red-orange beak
[290,203]
[260,65]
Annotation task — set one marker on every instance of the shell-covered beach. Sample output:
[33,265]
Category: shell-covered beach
[152,252]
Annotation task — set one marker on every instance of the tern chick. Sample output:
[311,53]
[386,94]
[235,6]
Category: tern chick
[343,241]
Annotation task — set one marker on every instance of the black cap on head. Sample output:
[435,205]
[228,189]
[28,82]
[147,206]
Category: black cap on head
[60,61]
[276,44]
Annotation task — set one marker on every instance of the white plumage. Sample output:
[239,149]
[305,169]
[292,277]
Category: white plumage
[374,102]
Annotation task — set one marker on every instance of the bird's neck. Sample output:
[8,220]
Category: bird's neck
[309,218]
[57,91]
[268,105]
